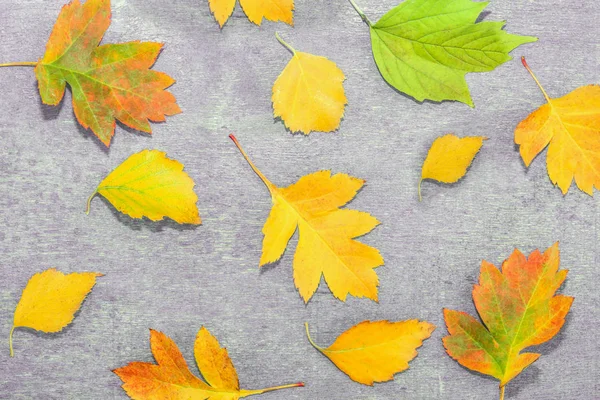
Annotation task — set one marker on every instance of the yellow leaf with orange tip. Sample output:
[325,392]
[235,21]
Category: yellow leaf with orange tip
[50,300]
[256,10]
[449,157]
[309,93]
[148,184]
[326,245]
[374,351]
[170,378]
[570,127]
[518,307]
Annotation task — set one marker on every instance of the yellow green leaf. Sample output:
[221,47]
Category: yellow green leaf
[449,157]
[148,184]
[309,93]
[50,300]
[374,351]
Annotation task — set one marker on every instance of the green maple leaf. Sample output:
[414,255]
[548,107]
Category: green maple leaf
[424,48]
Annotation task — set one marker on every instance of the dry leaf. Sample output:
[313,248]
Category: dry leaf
[256,10]
[570,127]
[518,308]
[325,245]
[109,82]
[449,157]
[375,351]
[148,184]
[50,300]
[171,378]
[309,93]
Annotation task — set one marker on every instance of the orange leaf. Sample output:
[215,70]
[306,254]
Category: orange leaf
[170,377]
[109,82]
[518,308]
[570,127]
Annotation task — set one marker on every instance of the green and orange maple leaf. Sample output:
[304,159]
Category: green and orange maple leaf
[109,82]
[518,309]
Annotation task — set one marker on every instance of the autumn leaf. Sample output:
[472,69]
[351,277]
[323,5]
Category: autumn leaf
[374,351]
[170,378]
[518,308]
[424,48]
[50,299]
[148,184]
[256,10]
[109,82]
[570,127]
[449,157]
[326,232]
[309,93]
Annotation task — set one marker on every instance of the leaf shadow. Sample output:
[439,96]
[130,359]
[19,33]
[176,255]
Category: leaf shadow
[482,16]
[144,223]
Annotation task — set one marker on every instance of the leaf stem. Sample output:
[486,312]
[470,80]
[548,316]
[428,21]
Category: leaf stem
[89,203]
[285,44]
[502,392]
[244,393]
[535,79]
[20,64]
[267,182]
[10,341]
[420,181]
[362,14]
[316,346]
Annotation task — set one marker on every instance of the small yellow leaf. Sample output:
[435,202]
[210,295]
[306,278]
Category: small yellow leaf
[374,351]
[148,184]
[222,10]
[449,157]
[309,93]
[50,300]
[273,10]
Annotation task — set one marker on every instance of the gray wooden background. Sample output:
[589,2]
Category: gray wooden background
[176,279]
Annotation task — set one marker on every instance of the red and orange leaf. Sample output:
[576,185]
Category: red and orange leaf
[519,308]
[170,378]
[109,82]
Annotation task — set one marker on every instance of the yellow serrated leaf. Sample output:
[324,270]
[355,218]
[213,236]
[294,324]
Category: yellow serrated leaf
[148,184]
[570,127]
[221,9]
[309,93]
[326,244]
[449,157]
[374,351]
[273,10]
[50,300]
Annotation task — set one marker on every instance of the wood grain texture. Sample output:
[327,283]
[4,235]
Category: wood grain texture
[175,280]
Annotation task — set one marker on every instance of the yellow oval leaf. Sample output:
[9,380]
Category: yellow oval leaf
[449,157]
[374,351]
[50,300]
[273,10]
[309,93]
[148,184]
[221,9]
